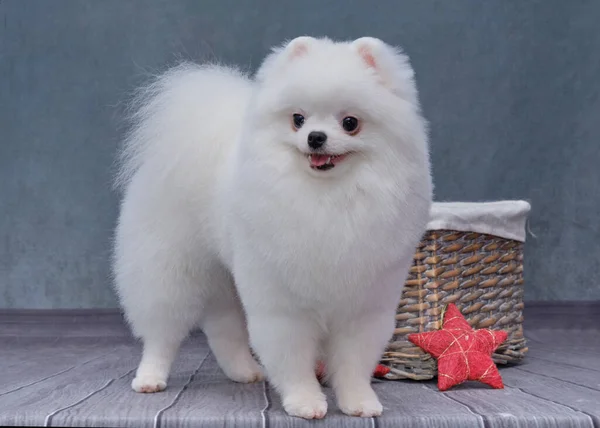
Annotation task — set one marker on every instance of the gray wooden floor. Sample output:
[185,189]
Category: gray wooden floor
[75,368]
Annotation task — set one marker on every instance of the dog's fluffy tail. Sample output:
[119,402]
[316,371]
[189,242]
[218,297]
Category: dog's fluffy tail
[164,113]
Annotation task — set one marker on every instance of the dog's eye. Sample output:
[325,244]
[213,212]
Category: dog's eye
[298,120]
[350,124]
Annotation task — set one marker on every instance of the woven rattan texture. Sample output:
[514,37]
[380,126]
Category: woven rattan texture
[481,274]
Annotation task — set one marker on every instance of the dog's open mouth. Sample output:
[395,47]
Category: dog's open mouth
[325,162]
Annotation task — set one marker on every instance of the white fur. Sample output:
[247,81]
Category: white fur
[218,186]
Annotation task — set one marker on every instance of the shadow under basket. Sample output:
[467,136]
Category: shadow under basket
[472,256]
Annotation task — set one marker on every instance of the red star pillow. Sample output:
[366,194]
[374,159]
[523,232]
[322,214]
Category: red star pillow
[462,353]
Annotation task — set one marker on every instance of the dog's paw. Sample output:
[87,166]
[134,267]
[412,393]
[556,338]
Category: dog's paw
[148,384]
[365,404]
[307,406]
[247,375]
[245,371]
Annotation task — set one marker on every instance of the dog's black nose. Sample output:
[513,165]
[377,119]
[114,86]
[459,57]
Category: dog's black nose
[316,139]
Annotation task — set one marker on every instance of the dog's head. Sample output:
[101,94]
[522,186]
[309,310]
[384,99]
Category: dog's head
[335,105]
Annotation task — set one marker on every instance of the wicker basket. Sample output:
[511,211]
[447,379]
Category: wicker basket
[471,255]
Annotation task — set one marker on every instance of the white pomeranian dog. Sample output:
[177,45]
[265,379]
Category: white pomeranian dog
[279,213]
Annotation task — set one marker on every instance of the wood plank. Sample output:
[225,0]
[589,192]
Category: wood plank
[557,386]
[210,400]
[561,320]
[64,329]
[510,407]
[277,417]
[28,316]
[28,364]
[578,399]
[561,315]
[567,373]
[119,406]
[34,404]
[21,349]
[568,348]
[406,404]
[417,404]
[584,339]
[581,358]
[565,360]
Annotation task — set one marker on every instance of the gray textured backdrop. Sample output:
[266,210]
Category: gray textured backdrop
[510,87]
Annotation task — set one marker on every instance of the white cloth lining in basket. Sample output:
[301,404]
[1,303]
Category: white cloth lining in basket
[506,219]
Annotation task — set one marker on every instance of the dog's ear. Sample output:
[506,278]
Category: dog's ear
[298,47]
[283,54]
[390,64]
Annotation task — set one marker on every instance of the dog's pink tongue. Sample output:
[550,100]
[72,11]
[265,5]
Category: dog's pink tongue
[318,160]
